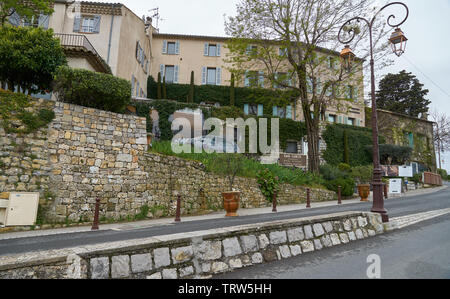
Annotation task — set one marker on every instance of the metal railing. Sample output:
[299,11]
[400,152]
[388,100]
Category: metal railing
[75,40]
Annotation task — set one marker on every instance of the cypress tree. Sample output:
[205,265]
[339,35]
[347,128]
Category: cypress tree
[191,89]
[164,90]
[346,149]
[158,87]
[232,93]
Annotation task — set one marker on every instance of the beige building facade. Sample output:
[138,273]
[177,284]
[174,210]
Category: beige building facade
[102,37]
[176,56]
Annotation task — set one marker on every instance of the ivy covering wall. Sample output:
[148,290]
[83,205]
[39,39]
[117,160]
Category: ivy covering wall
[358,140]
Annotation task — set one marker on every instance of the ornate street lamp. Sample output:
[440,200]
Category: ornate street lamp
[398,42]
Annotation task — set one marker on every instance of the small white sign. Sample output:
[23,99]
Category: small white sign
[395,186]
[405,171]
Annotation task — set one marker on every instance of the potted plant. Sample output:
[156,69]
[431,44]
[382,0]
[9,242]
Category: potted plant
[363,176]
[232,164]
[268,184]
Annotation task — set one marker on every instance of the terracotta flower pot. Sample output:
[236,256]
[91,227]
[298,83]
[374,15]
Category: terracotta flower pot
[231,201]
[364,192]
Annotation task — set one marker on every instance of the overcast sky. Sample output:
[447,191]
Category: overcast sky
[427,30]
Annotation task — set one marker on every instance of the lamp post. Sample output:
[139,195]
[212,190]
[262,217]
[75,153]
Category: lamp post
[398,43]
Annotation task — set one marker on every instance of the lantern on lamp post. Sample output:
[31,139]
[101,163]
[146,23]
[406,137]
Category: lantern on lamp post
[347,57]
[398,42]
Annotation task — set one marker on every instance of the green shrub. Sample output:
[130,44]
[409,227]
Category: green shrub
[331,173]
[398,154]
[362,174]
[442,173]
[347,186]
[268,183]
[344,167]
[92,89]
[417,178]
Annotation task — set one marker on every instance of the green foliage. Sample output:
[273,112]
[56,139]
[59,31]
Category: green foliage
[29,58]
[398,155]
[159,87]
[346,149]
[191,89]
[232,91]
[268,183]
[92,89]
[417,178]
[347,186]
[143,213]
[25,9]
[221,95]
[13,106]
[443,173]
[402,93]
[164,89]
[331,172]
[250,167]
[362,174]
[360,139]
[344,167]
[229,165]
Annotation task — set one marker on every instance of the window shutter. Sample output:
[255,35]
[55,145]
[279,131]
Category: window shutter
[177,48]
[219,46]
[137,89]
[164,49]
[97,20]
[319,86]
[289,112]
[246,109]
[260,109]
[247,79]
[345,120]
[161,70]
[14,19]
[204,75]
[261,79]
[43,21]
[77,24]
[358,122]
[206,49]
[219,76]
[132,84]
[340,119]
[175,79]
[275,111]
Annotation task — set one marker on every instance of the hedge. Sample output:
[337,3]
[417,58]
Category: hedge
[92,89]
[358,139]
[221,95]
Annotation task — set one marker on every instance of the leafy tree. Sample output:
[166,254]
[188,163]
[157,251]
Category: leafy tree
[158,87]
[284,38]
[25,9]
[402,93]
[30,58]
[232,91]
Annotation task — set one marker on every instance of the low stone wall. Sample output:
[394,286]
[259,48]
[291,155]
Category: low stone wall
[196,254]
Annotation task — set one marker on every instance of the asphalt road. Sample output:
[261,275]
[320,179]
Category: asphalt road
[420,251]
[395,207]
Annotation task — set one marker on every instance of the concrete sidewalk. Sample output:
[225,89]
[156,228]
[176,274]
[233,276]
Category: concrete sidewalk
[218,215]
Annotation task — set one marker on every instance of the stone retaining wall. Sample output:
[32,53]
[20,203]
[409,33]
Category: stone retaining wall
[196,254]
[86,154]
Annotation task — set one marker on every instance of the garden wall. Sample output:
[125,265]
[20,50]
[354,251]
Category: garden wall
[199,254]
[84,154]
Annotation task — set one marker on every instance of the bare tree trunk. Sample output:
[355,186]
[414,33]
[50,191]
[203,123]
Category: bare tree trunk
[439,154]
[312,128]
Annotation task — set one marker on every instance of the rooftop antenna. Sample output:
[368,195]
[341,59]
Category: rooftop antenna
[156,15]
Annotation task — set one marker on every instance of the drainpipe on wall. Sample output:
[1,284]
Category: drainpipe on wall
[110,33]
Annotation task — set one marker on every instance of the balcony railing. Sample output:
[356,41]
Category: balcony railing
[75,40]
[71,42]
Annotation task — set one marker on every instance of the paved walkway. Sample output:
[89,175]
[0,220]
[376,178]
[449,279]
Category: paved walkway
[218,215]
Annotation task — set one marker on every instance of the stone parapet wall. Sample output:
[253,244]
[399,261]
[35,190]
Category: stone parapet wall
[196,254]
[85,154]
